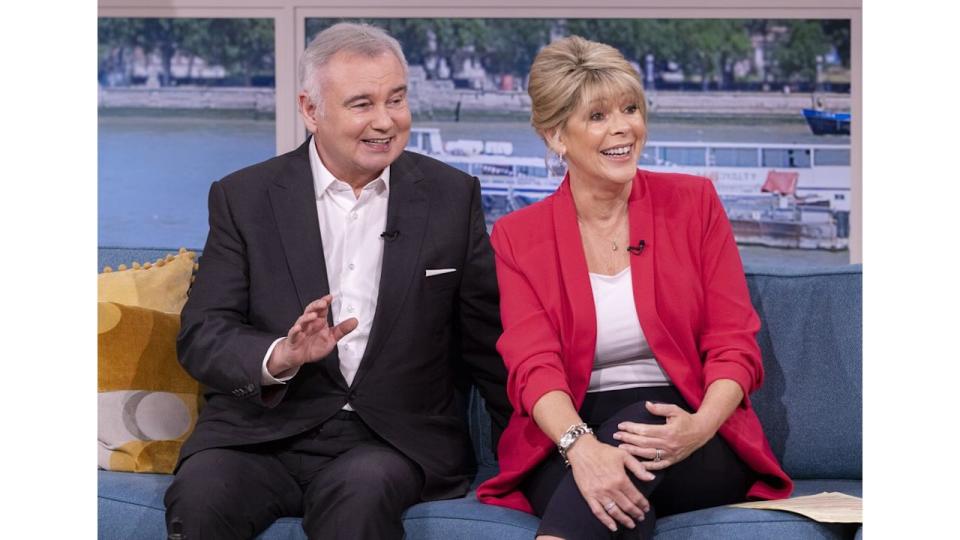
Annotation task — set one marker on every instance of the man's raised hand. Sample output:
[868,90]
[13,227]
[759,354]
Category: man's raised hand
[309,339]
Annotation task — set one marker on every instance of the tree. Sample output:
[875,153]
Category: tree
[710,47]
[796,58]
[243,46]
[837,32]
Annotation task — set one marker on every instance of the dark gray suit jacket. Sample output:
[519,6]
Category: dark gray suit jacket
[263,263]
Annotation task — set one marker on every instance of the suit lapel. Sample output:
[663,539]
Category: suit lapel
[581,338]
[294,205]
[407,212]
[294,202]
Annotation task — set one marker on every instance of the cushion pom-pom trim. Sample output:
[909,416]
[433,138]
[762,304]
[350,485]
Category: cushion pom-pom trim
[192,255]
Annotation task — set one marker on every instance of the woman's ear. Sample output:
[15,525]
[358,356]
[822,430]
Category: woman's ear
[554,138]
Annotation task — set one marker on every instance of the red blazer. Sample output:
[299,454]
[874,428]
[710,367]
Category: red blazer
[692,302]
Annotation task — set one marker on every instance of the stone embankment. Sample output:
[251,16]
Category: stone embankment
[439,99]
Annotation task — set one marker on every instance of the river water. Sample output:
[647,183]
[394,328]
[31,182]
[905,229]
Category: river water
[155,171]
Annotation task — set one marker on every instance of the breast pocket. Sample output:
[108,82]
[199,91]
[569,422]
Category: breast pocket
[443,281]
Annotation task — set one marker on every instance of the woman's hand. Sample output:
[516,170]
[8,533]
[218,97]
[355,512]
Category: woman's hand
[665,445]
[600,473]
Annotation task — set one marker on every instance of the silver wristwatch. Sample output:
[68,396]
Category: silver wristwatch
[569,437]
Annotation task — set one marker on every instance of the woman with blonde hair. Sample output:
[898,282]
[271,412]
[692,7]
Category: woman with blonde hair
[629,336]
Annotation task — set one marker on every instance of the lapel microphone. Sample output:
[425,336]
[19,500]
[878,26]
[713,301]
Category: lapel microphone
[637,249]
[390,236]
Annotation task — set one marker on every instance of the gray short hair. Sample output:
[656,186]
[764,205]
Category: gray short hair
[359,38]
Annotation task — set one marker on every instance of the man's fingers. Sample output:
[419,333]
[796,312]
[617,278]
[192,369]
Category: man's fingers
[345,328]
[319,305]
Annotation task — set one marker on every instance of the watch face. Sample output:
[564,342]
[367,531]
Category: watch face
[566,440]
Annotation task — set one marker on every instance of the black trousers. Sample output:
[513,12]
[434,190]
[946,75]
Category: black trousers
[711,476]
[344,480]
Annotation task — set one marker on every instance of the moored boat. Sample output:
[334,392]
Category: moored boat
[776,194]
[823,122]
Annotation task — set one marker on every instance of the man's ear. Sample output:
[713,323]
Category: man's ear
[308,111]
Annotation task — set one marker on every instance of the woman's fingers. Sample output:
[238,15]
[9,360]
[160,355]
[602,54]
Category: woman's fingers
[620,514]
[639,451]
[626,500]
[640,471]
[640,441]
[601,514]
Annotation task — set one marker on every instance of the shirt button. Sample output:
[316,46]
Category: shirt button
[353,215]
[350,266]
[349,309]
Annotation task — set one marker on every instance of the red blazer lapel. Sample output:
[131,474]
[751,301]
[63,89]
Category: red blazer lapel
[579,316]
[643,272]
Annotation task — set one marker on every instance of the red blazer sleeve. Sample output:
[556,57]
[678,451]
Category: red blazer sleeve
[530,344]
[728,343]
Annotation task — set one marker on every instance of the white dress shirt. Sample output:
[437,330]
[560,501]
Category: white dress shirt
[623,358]
[350,228]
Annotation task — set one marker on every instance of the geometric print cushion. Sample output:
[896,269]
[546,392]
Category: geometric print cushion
[147,404]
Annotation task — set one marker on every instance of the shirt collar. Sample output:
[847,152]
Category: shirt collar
[323,178]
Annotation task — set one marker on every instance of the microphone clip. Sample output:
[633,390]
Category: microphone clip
[390,236]
[637,249]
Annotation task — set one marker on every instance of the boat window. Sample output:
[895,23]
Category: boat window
[462,166]
[685,156]
[786,158]
[427,143]
[649,156]
[733,157]
[830,156]
[496,170]
[527,170]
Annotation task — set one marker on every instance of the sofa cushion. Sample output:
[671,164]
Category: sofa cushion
[743,523]
[811,398]
[131,506]
[161,285]
[147,404]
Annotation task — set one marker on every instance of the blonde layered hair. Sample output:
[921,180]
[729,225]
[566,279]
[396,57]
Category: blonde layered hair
[574,70]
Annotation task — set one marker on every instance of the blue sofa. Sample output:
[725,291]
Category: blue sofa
[809,404]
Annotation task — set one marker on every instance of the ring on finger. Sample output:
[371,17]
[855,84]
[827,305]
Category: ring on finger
[657,458]
[609,506]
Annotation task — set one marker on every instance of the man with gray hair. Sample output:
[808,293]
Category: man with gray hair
[346,293]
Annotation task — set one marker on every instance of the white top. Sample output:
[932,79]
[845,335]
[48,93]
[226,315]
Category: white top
[623,358]
[350,227]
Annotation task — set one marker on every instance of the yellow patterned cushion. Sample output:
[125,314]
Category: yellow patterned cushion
[160,285]
[147,403]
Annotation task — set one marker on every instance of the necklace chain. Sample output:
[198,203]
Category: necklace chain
[587,228]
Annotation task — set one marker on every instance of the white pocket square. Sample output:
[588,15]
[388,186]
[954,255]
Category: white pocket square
[439,271]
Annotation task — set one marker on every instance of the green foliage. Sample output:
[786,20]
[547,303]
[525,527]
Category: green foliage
[243,46]
[797,58]
[705,49]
